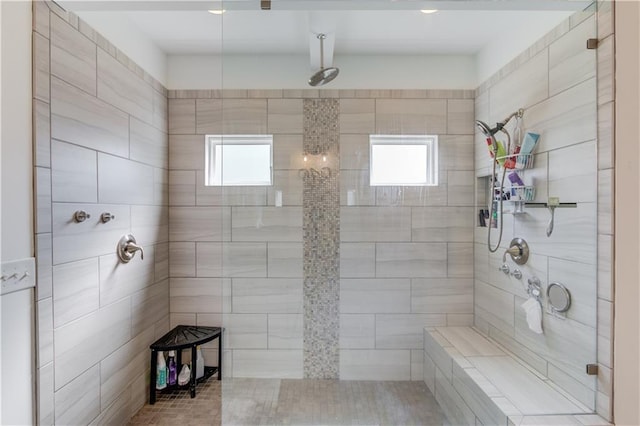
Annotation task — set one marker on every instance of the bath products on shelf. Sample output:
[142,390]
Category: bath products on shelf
[520,157]
[481,221]
[490,147]
[199,363]
[172,377]
[519,191]
[529,143]
[185,375]
[494,214]
[161,372]
[500,154]
[515,179]
[510,162]
[523,193]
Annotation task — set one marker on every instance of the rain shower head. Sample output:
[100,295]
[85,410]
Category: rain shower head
[324,75]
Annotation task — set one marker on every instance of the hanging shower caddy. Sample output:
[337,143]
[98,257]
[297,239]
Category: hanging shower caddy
[523,195]
[516,193]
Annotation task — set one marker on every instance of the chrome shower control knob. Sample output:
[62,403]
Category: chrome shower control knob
[81,216]
[517,274]
[504,268]
[106,217]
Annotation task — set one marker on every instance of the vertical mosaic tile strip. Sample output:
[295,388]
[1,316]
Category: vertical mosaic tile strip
[321,239]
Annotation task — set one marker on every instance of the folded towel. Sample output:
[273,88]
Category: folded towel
[533,311]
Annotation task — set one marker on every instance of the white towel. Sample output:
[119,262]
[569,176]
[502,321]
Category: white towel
[533,311]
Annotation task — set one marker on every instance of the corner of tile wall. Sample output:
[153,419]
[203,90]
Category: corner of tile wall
[82,291]
[600,119]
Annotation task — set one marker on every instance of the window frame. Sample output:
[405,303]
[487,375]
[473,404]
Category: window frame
[432,163]
[211,141]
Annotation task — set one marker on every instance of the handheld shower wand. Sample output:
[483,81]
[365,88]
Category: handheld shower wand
[490,133]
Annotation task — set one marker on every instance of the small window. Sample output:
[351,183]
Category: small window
[403,160]
[239,160]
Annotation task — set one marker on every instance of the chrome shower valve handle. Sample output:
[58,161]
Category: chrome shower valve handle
[127,248]
[518,250]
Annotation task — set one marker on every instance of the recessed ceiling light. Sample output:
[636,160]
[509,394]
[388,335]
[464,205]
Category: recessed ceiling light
[217,11]
[428,11]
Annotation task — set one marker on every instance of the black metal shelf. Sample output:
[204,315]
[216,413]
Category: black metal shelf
[179,338]
[208,372]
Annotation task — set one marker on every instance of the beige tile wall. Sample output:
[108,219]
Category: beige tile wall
[406,253]
[101,146]
[555,81]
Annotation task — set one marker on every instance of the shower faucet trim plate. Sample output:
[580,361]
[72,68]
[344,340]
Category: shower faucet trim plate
[127,248]
[518,250]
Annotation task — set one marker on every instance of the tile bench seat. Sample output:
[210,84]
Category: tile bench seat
[477,382]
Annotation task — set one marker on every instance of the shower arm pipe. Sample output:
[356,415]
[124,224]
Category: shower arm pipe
[491,132]
[500,125]
[321,37]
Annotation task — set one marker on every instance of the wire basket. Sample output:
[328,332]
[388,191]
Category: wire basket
[522,193]
[516,161]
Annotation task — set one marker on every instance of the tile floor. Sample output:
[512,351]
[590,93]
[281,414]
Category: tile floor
[296,402]
[178,409]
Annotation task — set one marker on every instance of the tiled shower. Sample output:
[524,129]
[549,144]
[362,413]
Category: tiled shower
[404,256]
[337,282]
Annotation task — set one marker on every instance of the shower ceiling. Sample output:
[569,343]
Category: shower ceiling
[361,27]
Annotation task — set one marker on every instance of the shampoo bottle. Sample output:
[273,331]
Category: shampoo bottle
[161,373]
[490,147]
[501,154]
[529,143]
[199,363]
[172,368]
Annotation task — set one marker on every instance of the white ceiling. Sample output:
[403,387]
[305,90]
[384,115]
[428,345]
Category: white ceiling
[244,29]
[356,32]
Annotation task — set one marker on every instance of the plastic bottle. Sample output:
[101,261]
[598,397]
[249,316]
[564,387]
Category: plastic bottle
[512,159]
[494,215]
[199,363]
[500,151]
[490,146]
[161,372]
[172,368]
[184,376]
[501,154]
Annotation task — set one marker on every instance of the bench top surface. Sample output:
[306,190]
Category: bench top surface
[495,383]
[185,336]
